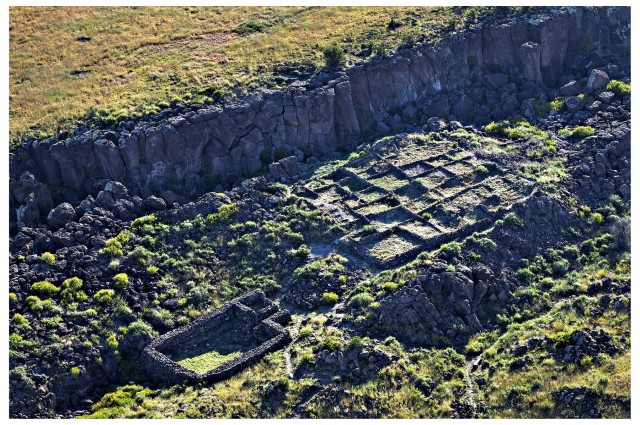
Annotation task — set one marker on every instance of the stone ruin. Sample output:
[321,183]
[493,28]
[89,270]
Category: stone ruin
[252,322]
[416,197]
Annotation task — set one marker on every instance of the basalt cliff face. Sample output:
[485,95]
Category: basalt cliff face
[494,70]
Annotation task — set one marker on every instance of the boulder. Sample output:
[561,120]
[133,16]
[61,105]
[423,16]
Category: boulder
[155,204]
[61,215]
[574,103]
[597,79]
[572,88]
[606,96]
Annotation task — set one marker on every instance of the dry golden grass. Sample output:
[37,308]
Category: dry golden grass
[142,56]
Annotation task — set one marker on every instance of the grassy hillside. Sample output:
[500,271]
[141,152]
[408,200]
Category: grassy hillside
[127,61]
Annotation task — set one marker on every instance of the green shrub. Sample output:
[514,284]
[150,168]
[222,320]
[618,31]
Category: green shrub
[597,218]
[389,286]
[48,258]
[140,222]
[619,88]
[496,129]
[224,213]
[355,343]
[75,370]
[113,248]
[218,94]
[482,169]
[362,300]
[583,131]
[330,298]
[71,289]
[112,342]
[152,269]
[19,320]
[452,249]
[558,104]
[249,27]
[331,343]
[305,332]
[487,244]
[515,133]
[45,289]
[121,280]
[512,219]
[560,267]
[34,303]
[104,296]
[525,274]
[451,268]
[140,331]
[333,56]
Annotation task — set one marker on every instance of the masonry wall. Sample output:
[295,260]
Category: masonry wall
[273,335]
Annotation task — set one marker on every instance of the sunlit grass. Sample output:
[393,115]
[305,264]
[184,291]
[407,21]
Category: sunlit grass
[130,58]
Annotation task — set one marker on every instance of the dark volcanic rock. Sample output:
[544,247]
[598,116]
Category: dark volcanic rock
[61,215]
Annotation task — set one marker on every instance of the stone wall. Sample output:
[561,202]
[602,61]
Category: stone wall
[245,317]
[483,73]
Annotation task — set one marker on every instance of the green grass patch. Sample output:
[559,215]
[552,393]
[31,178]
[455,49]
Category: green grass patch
[205,362]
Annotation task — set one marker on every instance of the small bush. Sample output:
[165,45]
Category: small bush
[451,268]
[305,332]
[45,289]
[140,222]
[104,296]
[597,218]
[355,343]
[330,298]
[121,280]
[331,343]
[71,288]
[512,219]
[452,249]
[361,301]
[619,88]
[487,244]
[525,274]
[19,320]
[561,267]
[48,258]
[333,56]
[224,213]
[496,129]
[75,371]
[583,131]
[34,303]
[152,269]
[113,248]
[112,342]
[481,169]
[558,104]
[389,286]
[249,27]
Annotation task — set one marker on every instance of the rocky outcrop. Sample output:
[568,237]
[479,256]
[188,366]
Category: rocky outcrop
[479,74]
[437,300]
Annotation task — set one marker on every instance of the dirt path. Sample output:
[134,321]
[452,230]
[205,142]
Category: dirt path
[467,377]
[287,351]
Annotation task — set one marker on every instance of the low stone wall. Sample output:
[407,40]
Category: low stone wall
[483,73]
[167,371]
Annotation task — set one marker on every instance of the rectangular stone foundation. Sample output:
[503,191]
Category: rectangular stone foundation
[252,319]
